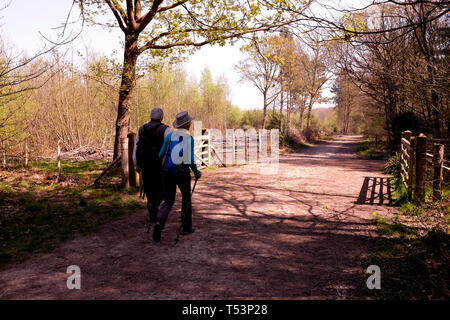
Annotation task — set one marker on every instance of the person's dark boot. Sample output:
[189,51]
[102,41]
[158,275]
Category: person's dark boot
[157,232]
[185,232]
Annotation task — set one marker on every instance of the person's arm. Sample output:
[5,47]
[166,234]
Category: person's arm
[165,145]
[193,165]
[166,133]
[138,169]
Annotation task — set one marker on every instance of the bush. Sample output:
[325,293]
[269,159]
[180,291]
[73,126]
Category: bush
[410,209]
[393,165]
[370,150]
[311,134]
[274,120]
[406,121]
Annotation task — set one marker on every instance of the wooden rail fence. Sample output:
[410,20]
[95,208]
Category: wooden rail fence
[413,166]
[245,148]
[237,148]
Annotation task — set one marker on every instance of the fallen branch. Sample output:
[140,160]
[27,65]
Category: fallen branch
[112,165]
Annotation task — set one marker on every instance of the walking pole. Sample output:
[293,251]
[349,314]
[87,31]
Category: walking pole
[142,195]
[184,216]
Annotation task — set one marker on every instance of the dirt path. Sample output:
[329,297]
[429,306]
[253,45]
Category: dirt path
[295,235]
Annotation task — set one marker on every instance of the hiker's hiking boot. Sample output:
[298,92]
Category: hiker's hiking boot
[157,232]
[185,232]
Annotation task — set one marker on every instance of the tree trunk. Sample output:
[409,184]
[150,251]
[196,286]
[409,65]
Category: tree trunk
[281,107]
[265,110]
[302,114]
[126,91]
[308,117]
[347,117]
[434,101]
[288,109]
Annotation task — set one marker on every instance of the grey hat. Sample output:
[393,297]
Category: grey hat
[182,119]
[157,114]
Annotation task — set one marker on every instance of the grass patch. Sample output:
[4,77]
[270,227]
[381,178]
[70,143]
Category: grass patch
[392,228]
[410,209]
[413,268]
[413,253]
[71,168]
[36,214]
[400,192]
[369,150]
[293,143]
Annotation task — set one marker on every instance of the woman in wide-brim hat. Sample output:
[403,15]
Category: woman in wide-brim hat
[177,174]
[182,120]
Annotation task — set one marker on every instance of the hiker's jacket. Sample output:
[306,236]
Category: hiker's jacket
[156,132]
[187,160]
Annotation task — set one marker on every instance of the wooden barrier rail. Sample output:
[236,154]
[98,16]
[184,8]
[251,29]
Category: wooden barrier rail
[250,146]
[407,162]
[239,148]
[413,166]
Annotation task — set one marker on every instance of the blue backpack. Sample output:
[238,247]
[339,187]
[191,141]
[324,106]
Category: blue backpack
[167,162]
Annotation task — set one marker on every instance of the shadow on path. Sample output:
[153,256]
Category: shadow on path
[375,189]
[300,234]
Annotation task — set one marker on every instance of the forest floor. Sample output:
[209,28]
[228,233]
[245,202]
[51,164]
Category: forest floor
[296,234]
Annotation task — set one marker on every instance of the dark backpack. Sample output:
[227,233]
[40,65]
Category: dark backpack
[151,139]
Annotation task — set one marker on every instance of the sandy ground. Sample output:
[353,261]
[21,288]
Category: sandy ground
[299,234]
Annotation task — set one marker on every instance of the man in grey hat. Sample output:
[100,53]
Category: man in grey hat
[178,160]
[149,141]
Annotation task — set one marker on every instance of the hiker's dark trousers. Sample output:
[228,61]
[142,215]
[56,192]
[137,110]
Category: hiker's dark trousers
[182,179]
[153,186]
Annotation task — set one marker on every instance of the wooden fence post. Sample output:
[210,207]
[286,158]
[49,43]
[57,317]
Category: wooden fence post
[246,148]
[438,164]
[233,149]
[234,143]
[240,147]
[252,146]
[421,169]
[411,167]
[209,148]
[124,162]
[131,169]
[59,158]
[407,136]
[262,146]
[139,182]
[206,146]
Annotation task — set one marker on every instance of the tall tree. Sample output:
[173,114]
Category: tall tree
[261,68]
[405,69]
[162,28]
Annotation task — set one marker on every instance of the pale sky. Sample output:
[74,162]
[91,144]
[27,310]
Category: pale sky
[23,20]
